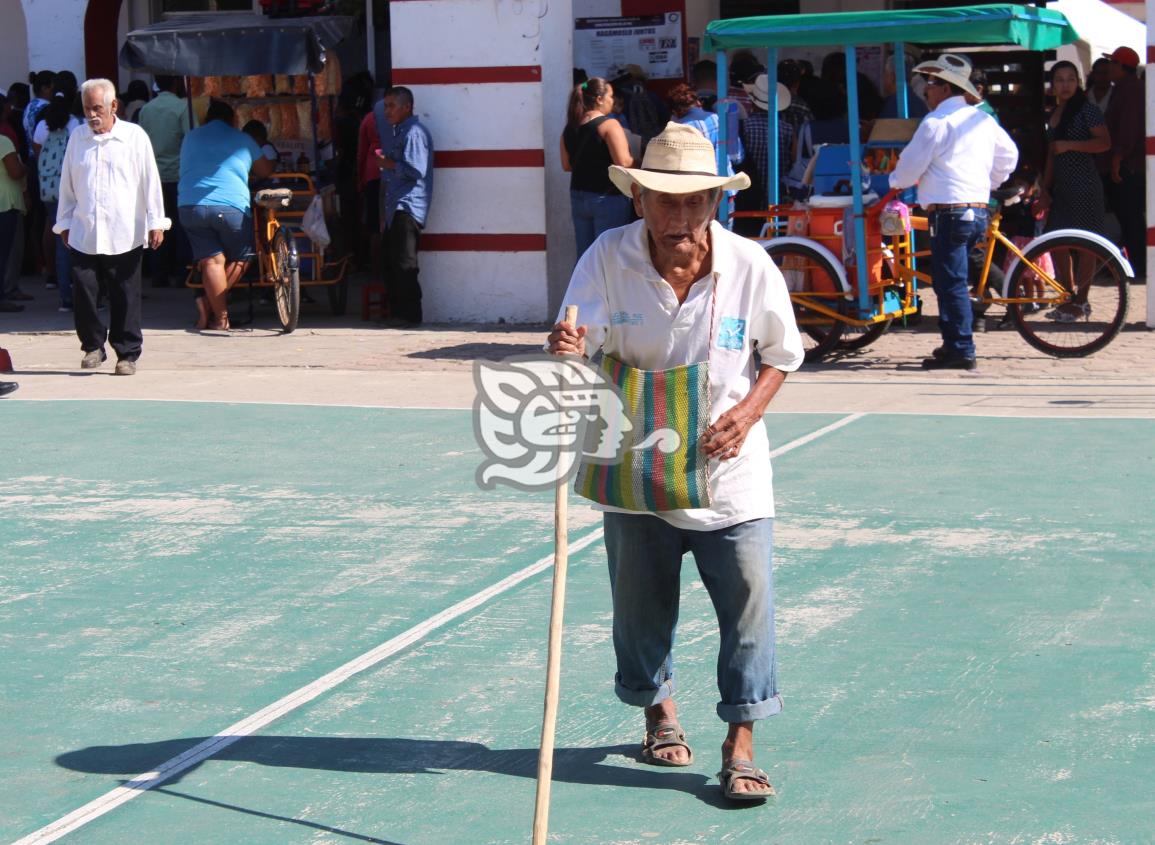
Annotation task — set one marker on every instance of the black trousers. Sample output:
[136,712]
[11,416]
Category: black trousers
[173,255]
[401,283]
[1128,200]
[118,276]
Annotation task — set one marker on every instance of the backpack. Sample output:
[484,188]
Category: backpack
[51,163]
[642,114]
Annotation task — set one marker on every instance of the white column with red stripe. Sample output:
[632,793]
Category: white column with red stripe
[1149,81]
[476,73]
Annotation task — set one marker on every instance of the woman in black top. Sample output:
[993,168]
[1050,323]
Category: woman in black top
[1072,192]
[590,143]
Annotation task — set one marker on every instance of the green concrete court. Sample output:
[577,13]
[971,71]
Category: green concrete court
[966,646]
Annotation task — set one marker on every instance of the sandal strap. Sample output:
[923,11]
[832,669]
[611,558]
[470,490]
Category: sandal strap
[664,735]
[744,770]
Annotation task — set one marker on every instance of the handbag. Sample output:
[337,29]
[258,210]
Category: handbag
[663,465]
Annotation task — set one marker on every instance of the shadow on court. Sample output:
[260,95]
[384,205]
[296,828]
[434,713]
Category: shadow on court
[592,766]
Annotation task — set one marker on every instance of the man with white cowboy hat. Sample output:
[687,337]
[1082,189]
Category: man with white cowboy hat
[755,132]
[957,157]
[667,291]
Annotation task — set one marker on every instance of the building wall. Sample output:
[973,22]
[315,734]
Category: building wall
[13,46]
[480,86]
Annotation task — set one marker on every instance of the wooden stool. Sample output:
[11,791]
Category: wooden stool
[373,296]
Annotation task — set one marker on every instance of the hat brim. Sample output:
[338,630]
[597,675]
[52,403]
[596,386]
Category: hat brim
[784,98]
[624,178]
[958,80]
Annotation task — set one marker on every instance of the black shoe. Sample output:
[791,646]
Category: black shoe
[7,387]
[938,352]
[949,362]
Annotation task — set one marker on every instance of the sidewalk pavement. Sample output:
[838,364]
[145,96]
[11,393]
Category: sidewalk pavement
[344,361]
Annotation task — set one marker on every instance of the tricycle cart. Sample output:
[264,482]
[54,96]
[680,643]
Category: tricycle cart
[278,71]
[1065,291]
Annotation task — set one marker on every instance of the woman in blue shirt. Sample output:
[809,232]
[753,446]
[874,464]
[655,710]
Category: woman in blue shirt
[217,161]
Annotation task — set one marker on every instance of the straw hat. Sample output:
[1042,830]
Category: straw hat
[759,91]
[951,68]
[679,160]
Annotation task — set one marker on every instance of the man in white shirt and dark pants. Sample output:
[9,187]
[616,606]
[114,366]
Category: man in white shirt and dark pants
[111,204]
[957,157]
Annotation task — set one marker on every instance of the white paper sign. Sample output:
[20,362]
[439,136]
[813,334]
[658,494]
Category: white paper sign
[653,42]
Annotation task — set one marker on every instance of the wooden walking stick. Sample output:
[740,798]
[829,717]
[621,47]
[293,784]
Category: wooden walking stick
[553,662]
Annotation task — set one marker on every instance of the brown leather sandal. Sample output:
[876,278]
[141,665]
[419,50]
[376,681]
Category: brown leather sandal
[665,734]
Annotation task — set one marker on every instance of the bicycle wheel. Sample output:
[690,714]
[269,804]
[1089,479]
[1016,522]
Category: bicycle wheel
[860,337]
[286,274]
[1081,319]
[809,272]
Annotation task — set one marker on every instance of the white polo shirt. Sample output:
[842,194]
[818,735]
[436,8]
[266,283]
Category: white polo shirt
[632,313]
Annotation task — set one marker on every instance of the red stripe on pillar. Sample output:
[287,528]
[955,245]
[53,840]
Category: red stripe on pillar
[1150,144]
[482,243]
[1150,54]
[1151,236]
[465,75]
[489,158]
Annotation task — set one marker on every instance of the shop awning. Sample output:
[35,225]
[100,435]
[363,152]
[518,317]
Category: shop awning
[1003,23]
[233,45]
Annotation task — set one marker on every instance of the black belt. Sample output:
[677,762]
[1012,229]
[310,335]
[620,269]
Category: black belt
[944,206]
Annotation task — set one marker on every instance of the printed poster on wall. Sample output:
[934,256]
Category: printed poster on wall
[653,42]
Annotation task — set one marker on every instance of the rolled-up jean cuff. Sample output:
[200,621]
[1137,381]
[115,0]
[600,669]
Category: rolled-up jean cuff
[644,697]
[734,713]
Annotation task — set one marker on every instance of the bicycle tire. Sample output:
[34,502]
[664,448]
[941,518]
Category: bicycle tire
[860,337]
[1106,294]
[286,278]
[809,271]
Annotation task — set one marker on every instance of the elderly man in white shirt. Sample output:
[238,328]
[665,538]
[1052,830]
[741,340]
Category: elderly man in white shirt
[957,157]
[111,205]
[670,290]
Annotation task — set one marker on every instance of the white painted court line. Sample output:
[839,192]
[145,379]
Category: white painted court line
[814,435]
[263,718]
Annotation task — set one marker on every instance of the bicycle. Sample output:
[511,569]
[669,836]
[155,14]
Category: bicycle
[1065,292]
[277,255]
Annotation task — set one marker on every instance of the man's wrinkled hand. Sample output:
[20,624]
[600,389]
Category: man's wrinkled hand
[567,340]
[724,438]
[155,238]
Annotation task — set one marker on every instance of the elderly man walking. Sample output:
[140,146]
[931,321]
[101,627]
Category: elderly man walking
[675,290]
[111,204]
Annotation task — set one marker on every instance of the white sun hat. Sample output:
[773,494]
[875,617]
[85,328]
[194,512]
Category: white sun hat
[951,68]
[759,91]
[679,160]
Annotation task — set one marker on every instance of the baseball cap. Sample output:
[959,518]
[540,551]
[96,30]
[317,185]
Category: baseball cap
[1124,56]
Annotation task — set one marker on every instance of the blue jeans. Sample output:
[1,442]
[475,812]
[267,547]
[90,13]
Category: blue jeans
[954,233]
[645,557]
[63,259]
[594,214]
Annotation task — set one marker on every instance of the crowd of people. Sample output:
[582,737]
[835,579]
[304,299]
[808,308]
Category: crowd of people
[179,196]
[1094,165]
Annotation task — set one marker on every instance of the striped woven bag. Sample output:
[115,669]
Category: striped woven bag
[649,478]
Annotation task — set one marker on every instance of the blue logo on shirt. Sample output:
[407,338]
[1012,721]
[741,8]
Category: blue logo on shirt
[731,333]
[624,318]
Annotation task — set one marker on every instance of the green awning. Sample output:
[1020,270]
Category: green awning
[1025,26]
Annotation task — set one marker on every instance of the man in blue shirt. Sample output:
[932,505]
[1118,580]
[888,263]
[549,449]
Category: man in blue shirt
[217,161]
[406,161]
